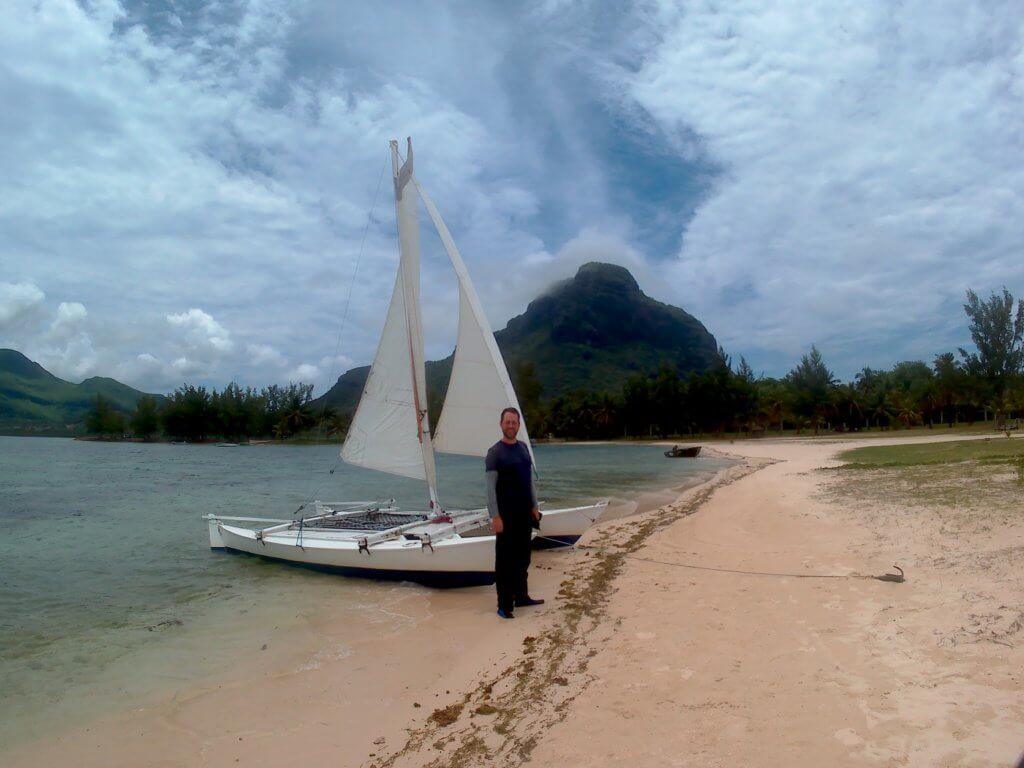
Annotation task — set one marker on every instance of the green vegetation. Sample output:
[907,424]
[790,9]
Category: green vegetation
[596,330]
[992,450]
[34,401]
[196,414]
[986,385]
[145,422]
[103,419]
[996,330]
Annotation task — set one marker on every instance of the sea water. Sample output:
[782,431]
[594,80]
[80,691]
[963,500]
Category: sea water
[109,590]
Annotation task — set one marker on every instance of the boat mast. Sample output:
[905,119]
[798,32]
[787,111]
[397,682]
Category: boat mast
[408,241]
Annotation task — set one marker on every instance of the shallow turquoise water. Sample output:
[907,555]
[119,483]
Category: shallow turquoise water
[107,581]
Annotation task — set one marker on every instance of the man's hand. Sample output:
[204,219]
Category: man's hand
[536,513]
[496,524]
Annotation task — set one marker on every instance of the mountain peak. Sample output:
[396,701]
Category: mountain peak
[602,307]
[34,401]
[13,362]
[592,332]
[607,274]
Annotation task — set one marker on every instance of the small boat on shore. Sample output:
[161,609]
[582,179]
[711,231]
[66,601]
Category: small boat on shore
[689,452]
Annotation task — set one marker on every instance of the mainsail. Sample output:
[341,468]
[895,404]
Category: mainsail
[479,387]
[390,430]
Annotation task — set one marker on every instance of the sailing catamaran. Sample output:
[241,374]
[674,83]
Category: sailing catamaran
[390,432]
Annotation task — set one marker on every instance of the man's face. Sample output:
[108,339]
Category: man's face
[510,426]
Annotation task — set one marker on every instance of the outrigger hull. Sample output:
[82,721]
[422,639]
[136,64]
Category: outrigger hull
[450,562]
[558,527]
[563,527]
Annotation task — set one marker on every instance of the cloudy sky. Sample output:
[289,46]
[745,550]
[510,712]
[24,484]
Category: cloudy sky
[191,191]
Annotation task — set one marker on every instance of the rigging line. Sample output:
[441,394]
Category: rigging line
[747,573]
[344,314]
[854,575]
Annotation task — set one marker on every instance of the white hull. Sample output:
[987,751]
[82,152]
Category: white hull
[562,527]
[449,561]
[558,527]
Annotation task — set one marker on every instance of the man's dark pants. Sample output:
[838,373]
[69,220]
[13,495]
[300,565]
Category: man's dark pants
[512,561]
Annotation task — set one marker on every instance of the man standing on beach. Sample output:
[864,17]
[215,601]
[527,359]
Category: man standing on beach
[512,502]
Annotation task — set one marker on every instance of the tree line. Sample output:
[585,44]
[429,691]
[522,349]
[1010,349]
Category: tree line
[196,414]
[987,383]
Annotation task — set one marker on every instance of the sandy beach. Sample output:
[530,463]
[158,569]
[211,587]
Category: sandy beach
[739,625]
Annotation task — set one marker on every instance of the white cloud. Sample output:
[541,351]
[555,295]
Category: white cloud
[18,302]
[872,168]
[858,169]
[336,364]
[74,360]
[69,319]
[201,331]
[186,367]
[148,373]
[264,355]
[306,373]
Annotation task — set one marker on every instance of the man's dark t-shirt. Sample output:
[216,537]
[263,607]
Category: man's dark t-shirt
[514,491]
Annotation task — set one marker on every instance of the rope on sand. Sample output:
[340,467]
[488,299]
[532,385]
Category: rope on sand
[897,578]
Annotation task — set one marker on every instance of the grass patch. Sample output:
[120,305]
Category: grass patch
[967,486]
[948,511]
[998,450]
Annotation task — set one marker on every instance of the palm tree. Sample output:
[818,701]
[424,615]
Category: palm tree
[948,377]
[338,423]
[880,408]
[295,417]
[603,412]
[849,403]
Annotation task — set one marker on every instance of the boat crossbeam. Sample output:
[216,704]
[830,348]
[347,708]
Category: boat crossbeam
[463,520]
[234,519]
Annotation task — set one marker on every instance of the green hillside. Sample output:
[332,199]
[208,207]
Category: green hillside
[590,332]
[34,401]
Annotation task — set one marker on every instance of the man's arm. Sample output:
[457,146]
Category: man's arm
[534,507]
[491,476]
[491,479]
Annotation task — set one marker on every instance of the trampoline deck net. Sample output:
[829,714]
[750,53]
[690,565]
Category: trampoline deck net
[366,521]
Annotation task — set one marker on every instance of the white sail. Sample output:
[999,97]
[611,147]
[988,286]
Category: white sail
[390,429]
[479,387]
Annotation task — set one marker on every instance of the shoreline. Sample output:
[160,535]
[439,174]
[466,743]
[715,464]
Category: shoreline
[684,635]
[357,650]
[963,430]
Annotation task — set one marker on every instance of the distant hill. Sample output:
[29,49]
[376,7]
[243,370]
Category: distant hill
[34,401]
[592,331]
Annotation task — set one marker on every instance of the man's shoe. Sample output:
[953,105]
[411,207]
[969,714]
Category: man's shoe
[505,614]
[529,601]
